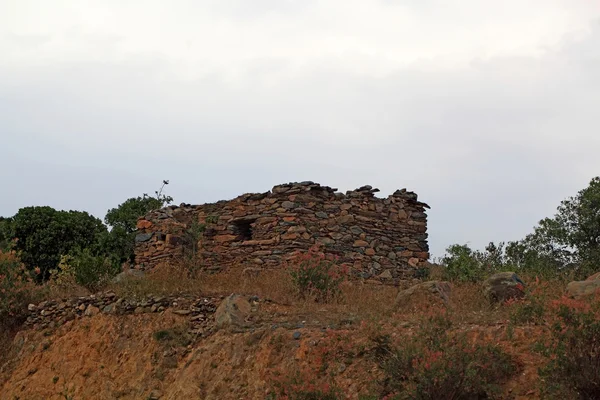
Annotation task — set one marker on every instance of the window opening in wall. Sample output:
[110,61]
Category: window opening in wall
[243,229]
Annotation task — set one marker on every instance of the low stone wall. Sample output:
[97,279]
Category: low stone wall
[52,314]
[379,238]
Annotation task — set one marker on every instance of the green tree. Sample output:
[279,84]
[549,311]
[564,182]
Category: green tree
[572,237]
[43,234]
[122,219]
[462,264]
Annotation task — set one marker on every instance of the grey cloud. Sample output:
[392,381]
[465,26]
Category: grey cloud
[492,148]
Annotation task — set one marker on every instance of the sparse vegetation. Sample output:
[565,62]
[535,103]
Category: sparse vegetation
[174,337]
[573,370]
[315,276]
[436,363]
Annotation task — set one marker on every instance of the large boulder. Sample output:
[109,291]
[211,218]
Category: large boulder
[582,289]
[432,289]
[503,286]
[235,312]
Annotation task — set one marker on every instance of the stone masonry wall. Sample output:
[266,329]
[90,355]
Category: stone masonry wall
[380,238]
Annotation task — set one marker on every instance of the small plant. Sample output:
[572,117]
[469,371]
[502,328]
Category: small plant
[191,248]
[67,393]
[573,370]
[212,219]
[176,337]
[314,275]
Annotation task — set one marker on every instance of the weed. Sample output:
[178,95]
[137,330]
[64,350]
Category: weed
[314,275]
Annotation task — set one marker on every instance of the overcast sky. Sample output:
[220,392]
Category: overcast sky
[487,109]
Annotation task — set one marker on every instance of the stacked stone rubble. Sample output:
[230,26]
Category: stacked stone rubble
[379,238]
[54,313]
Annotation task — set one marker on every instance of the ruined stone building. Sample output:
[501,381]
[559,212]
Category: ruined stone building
[379,238]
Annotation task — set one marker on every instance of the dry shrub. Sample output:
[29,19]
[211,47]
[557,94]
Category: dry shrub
[317,275]
[435,363]
[573,346]
[314,376]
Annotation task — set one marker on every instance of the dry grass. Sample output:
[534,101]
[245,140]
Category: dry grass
[357,301]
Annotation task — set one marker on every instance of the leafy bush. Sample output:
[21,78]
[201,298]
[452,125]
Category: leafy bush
[573,370]
[314,275]
[434,364]
[462,264]
[15,286]
[86,269]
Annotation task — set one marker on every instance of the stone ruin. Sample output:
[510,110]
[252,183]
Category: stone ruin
[381,239]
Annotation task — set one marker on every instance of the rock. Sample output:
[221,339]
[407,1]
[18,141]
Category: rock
[288,205]
[385,275]
[91,310]
[182,312]
[437,289]
[356,230]
[142,237]
[109,309]
[503,286]
[321,214]
[143,224]
[128,274]
[297,335]
[233,312]
[31,307]
[582,289]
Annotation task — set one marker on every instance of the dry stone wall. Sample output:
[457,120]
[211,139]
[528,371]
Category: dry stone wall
[54,313]
[379,238]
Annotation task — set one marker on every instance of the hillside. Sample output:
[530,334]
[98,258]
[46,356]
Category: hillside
[283,348]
